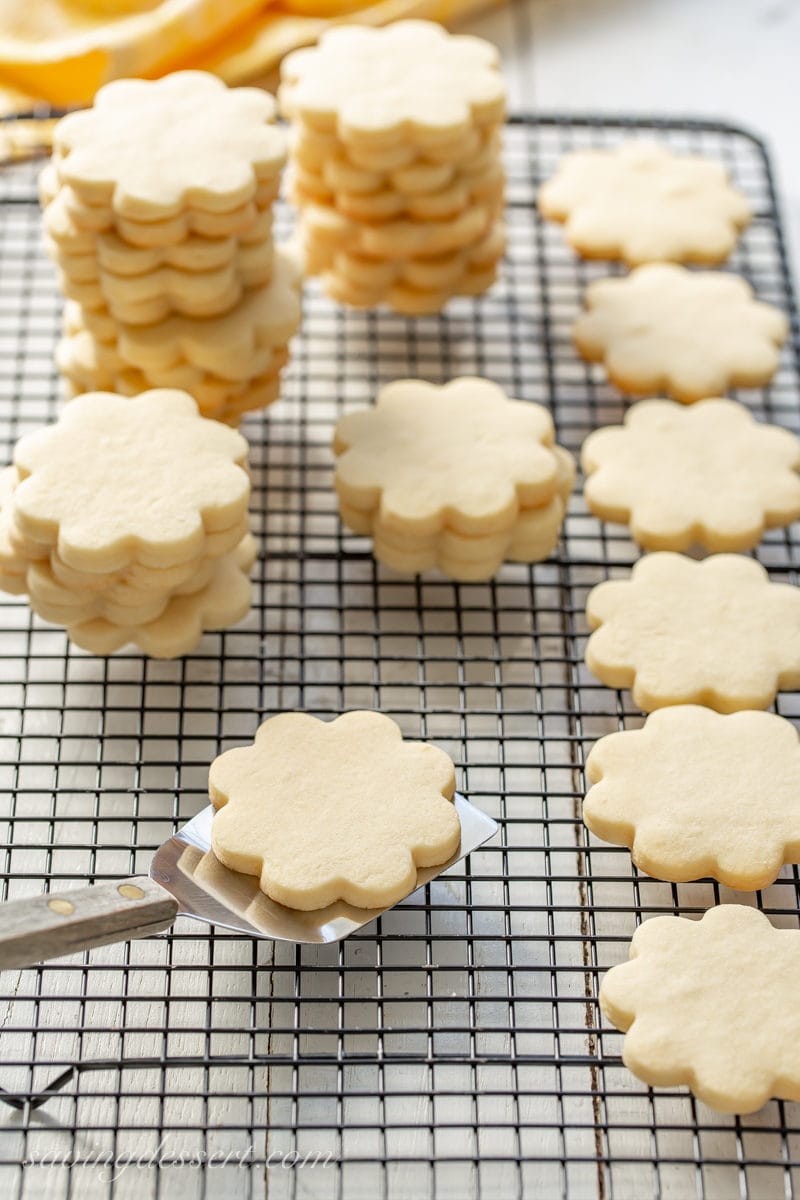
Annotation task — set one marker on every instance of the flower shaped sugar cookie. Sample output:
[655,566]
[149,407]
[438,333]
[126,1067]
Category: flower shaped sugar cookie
[459,477]
[462,455]
[642,203]
[118,480]
[707,475]
[408,81]
[690,334]
[694,793]
[150,149]
[711,1004]
[323,811]
[716,632]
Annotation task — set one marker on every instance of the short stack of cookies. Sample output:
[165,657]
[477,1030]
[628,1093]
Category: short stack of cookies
[458,477]
[158,210]
[114,536]
[396,163]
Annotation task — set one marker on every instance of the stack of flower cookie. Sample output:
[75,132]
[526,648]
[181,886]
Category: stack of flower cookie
[458,477]
[396,163]
[126,537]
[158,208]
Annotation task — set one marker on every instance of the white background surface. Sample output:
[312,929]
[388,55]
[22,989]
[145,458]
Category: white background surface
[734,60]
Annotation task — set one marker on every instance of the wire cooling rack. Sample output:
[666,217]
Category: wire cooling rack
[453,1049]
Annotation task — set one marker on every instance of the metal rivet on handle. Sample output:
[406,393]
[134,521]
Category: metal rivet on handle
[130,891]
[65,908]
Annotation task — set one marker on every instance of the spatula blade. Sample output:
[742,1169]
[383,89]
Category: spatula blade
[208,891]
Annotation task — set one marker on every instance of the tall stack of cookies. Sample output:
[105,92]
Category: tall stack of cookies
[158,213]
[396,163]
[114,535]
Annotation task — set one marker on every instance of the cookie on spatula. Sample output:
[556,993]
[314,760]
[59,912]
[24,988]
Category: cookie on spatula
[338,810]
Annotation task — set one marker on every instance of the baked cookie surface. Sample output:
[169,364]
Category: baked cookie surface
[105,491]
[404,82]
[333,810]
[462,455]
[706,475]
[695,794]
[718,633]
[690,334]
[711,1004]
[642,203]
[151,149]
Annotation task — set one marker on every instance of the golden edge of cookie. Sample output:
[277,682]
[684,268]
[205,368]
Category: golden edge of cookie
[626,677]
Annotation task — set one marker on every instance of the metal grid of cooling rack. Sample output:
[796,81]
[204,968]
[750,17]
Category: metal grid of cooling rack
[453,1048]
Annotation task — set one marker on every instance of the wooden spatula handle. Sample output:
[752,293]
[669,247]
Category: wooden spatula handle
[56,923]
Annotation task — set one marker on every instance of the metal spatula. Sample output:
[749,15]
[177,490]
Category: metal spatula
[187,879]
